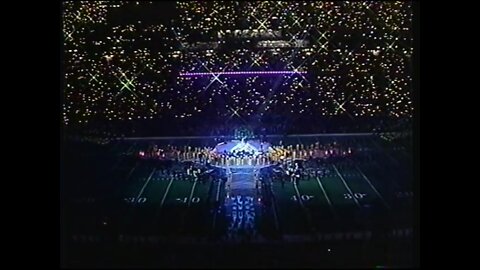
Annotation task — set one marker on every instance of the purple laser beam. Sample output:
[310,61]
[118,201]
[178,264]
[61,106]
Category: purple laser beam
[241,73]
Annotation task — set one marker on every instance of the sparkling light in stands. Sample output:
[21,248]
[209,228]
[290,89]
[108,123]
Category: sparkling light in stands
[253,73]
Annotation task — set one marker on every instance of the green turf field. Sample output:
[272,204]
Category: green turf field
[134,197]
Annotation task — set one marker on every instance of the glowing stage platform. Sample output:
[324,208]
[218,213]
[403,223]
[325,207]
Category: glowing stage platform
[237,154]
[251,147]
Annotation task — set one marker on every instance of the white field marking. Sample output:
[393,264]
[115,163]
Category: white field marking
[345,184]
[275,210]
[392,180]
[191,193]
[130,150]
[166,192]
[216,209]
[326,196]
[298,194]
[144,185]
[131,171]
[374,189]
[386,152]
[217,198]
[306,211]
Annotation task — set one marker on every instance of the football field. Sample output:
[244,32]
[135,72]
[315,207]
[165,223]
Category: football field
[140,202]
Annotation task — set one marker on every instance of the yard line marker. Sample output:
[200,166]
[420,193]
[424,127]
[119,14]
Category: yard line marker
[371,185]
[392,179]
[397,164]
[185,212]
[130,150]
[166,192]
[216,208]
[298,194]
[146,183]
[131,171]
[277,226]
[304,208]
[191,193]
[217,198]
[345,184]
[326,196]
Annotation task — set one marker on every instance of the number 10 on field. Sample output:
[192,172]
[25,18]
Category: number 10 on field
[185,200]
[303,197]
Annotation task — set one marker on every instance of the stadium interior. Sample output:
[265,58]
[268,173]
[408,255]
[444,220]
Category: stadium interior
[228,134]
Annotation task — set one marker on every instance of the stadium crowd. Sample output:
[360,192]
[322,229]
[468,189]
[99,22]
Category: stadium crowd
[357,64]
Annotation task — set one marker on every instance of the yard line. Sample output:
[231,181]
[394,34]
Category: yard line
[131,171]
[305,210]
[191,193]
[185,213]
[126,218]
[118,188]
[146,183]
[326,196]
[345,184]
[298,194]
[371,185]
[214,219]
[217,198]
[391,179]
[129,150]
[385,152]
[217,206]
[166,192]
[277,226]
